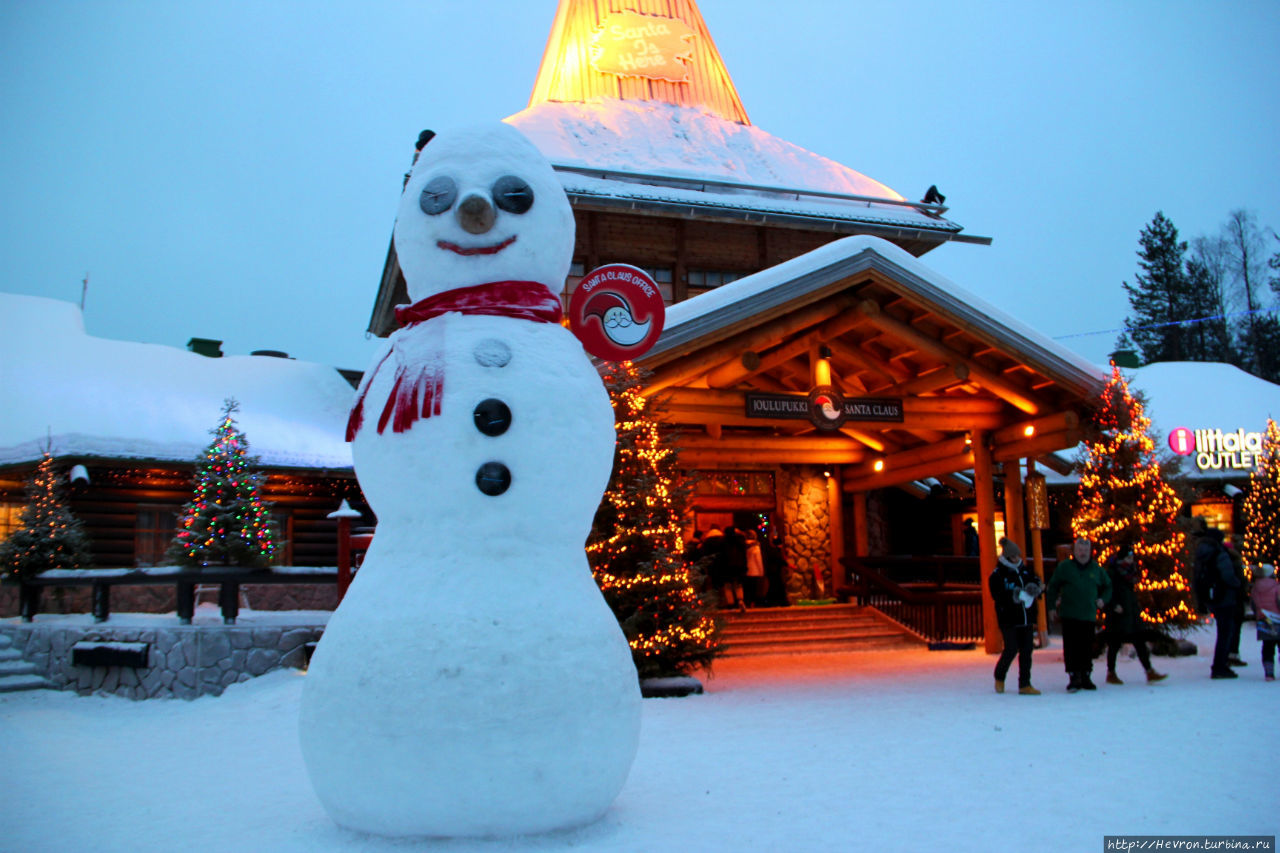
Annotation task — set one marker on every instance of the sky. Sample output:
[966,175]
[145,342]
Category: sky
[230,170]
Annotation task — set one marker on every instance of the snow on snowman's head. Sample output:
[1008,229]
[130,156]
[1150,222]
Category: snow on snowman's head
[482,204]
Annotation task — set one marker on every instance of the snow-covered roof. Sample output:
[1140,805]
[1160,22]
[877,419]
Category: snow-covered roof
[656,152]
[93,397]
[701,318]
[1204,395]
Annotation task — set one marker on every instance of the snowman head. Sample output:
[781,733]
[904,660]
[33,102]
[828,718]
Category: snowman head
[482,204]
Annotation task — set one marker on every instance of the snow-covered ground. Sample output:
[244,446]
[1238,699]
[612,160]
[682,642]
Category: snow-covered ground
[882,751]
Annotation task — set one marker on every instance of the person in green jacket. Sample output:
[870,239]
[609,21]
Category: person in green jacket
[1078,589]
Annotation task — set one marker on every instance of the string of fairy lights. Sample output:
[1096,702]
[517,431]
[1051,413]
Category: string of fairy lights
[1261,508]
[1124,499]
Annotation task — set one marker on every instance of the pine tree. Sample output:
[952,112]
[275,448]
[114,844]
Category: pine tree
[49,536]
[1261,508]
[635,549]
[1124,500]
[1160,298]
[226,522]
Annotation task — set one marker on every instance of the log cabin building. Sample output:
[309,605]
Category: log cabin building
[786,273]
[125,421]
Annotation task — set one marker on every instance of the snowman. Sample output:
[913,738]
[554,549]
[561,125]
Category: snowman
[473,681]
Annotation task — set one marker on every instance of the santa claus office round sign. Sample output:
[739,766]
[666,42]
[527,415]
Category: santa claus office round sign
[617,312]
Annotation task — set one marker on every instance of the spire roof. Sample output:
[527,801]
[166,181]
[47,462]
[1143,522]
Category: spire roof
[640,50]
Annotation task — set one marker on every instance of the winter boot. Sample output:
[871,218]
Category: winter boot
[1028,691]
[1153,676]
[1074,684]
[1086,683]
[999,685]
[1235,660]
[1112,678]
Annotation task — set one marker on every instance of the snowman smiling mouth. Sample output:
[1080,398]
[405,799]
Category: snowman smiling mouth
[476,250]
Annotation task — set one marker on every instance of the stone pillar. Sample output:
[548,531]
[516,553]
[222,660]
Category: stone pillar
[803,504]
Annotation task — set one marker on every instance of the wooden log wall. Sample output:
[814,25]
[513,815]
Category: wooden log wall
[109,506]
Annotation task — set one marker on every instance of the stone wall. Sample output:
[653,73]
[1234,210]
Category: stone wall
[184,661]
[802,502]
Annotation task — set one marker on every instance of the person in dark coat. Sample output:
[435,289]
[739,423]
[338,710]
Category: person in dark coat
[1226,595]
[1232,544]
[1078,589]
[774,568]
[971,542]
[734,568]
[711,549]
[1123,624]
[1014,589]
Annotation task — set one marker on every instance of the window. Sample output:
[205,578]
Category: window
[152,533]
[700,281]
[10,516]
[1219,514]
[735,483]
[283,555]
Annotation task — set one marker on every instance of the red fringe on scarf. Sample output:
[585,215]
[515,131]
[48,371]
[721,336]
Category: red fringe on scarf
[418,388]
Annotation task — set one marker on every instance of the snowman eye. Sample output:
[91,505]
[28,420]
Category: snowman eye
[438,195]
[512,194]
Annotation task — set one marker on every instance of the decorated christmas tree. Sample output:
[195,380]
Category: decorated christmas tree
[226,523]
[1124,499]
[635,547]
[49,536]
[1261,509]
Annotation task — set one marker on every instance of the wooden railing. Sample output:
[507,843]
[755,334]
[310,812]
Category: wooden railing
[227,578]
[939,598]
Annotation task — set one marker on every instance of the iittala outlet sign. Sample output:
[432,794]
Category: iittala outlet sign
[1216,450]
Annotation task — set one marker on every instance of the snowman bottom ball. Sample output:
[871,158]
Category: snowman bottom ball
[434,720]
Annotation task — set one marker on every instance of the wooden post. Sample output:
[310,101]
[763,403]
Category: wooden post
[101,602]
[1037,564]
[229,601]
[860,548]
[836,522]
[29,597]
[185,601]
[343,515]
[984,490]
[344,556]
[1015,527]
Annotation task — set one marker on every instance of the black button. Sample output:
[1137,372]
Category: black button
[492,416]
[493,478]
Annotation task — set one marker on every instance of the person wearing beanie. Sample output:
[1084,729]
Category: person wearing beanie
[1266,606]
[1078,589]
[1123,625]
[1014,589]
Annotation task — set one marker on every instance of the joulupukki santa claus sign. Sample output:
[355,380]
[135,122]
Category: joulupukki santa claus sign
[617,312]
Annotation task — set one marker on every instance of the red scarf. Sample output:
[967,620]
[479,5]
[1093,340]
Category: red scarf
[419,380]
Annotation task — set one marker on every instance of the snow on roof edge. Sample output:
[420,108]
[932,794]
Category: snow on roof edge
[738,301]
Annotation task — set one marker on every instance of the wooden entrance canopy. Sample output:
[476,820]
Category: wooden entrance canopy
[861,315]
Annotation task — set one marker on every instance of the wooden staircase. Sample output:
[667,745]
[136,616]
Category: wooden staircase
[806,630]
